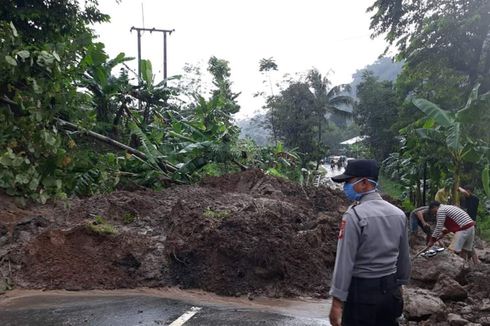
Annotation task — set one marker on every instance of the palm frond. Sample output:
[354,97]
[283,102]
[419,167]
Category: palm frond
[153,155]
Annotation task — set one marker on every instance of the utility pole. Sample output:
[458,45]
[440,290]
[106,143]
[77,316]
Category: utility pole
[165,55]
[151,30]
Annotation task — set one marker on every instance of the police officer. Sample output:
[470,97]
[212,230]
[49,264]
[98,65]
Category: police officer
[372,259]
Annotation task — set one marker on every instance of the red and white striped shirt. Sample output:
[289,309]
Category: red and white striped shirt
[453,218]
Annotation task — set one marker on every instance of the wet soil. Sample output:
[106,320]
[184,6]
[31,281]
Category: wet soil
[245,234]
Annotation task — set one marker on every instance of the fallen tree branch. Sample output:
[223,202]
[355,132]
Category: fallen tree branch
[166,166]
[242,167]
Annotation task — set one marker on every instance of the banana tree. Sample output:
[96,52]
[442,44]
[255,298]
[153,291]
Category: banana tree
[452,125]
[107,91]
[486,180]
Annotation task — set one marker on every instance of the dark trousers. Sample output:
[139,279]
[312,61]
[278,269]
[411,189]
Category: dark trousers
[373,302]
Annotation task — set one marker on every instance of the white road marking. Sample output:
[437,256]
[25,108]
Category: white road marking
[185,317]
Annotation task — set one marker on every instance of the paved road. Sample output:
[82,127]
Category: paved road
[138,310]
[325,179]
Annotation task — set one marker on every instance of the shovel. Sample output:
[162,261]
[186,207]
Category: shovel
[427,248]
[420,252]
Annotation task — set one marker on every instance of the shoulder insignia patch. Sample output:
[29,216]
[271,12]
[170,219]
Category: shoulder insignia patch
[342,229]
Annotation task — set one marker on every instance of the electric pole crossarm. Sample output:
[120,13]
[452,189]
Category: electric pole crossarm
[152,30]
[139,30]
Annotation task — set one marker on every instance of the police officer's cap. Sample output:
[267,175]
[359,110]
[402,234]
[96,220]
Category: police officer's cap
[359,168]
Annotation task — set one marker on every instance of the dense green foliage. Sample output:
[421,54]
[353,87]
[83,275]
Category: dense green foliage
[461,144]
[69,126]
[42,46]
[451,32]
[439,106]
[375,112]
[74,121]
[301,114]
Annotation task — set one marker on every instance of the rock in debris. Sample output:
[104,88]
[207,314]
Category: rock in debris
[485,306]
[484,255]
[466,310]
[422,304]
[484,321]
[456,320]
[4,234]
[429,269]
[29,226]
[449,289]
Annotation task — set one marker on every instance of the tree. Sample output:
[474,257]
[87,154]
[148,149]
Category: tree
[456,131]
[446,48]
[109,92]
[43,43]
[375,114]
[220,71]
[266,66]
[294,112]
[327,101]
[454,33]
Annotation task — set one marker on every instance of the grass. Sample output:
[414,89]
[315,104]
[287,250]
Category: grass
[209,213]
[101,226]
[128,218]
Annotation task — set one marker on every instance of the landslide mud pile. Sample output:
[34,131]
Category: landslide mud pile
[246,233]
[241,234]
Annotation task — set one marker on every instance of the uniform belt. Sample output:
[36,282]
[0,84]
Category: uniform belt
[384,283]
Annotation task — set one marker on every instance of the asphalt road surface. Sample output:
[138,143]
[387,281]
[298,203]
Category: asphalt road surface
[141,309]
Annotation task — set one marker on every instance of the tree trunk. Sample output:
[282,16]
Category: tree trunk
[457,182]
[319,143]
[273,126]
[166,166]
[418,194]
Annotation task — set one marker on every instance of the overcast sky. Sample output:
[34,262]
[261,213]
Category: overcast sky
[331,35]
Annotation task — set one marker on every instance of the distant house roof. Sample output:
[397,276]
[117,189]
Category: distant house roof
[353,140]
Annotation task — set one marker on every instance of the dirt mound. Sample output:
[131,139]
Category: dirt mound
[266,245]
[236,234]
[254,182]
[81,259]
[258,234]
[246,233]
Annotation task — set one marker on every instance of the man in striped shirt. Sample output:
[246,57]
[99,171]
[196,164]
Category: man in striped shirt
[453,219]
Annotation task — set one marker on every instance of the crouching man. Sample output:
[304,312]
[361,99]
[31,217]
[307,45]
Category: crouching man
[453,219]
[418,218]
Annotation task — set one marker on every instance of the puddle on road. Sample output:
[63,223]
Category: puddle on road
[299,307]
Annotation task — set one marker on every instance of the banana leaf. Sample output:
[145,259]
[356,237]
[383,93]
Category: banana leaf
[434,112]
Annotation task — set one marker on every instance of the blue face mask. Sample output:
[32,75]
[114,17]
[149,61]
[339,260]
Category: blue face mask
[352,194]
